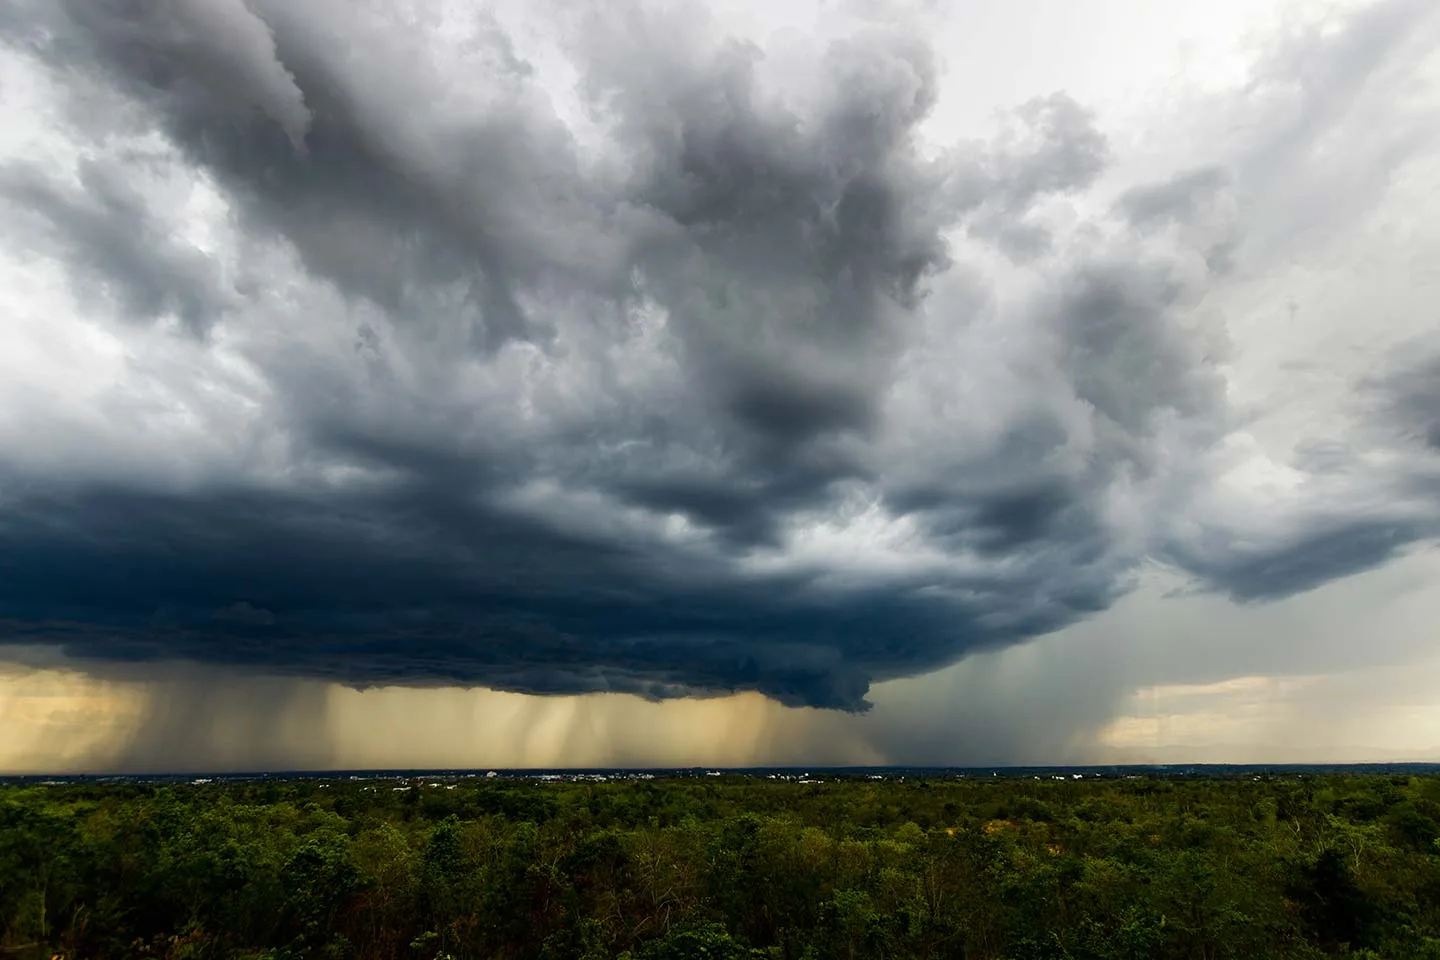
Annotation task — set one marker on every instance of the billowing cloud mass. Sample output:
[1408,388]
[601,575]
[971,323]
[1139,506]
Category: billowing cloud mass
[616,349]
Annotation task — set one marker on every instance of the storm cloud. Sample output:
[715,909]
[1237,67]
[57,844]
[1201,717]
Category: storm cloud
[640,357]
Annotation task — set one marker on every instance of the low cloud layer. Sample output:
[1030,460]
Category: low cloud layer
[623,353]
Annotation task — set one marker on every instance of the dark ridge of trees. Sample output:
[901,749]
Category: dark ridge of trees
[725,869]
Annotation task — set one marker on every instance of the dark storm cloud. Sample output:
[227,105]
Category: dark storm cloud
[409,588]
[706,407]
[1176,200]
[1408,399]
[313,145]
[1362,521]
[1117,327]
[1052,149]
[114,249]
[1330,548]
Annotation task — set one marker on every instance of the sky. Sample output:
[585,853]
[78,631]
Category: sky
[414,383]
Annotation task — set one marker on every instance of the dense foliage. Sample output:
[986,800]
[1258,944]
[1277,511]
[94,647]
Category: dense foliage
[724,869]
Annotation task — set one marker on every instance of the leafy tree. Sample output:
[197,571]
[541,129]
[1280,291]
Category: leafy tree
[1281,866]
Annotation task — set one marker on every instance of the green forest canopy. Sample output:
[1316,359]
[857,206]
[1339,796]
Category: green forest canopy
[724,868]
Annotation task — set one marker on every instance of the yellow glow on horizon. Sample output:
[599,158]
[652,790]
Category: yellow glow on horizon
[64,721]
[397,727]
[59,720]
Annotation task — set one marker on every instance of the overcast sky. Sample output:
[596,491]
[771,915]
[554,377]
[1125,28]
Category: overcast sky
[414,383]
